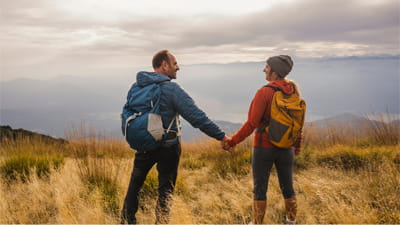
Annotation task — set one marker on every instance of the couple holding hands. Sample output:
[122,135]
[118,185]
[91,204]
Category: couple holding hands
[174,100]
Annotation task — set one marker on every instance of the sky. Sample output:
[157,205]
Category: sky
[42,39]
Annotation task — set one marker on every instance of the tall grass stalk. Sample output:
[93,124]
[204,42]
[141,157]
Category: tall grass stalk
[375,130]
[99,161]
[383,130]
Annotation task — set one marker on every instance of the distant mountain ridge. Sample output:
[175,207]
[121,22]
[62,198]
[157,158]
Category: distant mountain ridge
[9,134]
[346,118]
[349,119]
[191,135]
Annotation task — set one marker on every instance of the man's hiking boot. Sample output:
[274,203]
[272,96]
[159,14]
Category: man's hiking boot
[259,207]
[291,210]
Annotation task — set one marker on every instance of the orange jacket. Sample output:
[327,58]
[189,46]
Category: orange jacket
[259,115]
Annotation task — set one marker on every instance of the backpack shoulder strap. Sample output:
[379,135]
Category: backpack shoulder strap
[273,87]
[266,124]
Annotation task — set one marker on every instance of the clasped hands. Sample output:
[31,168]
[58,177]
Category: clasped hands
[225,144]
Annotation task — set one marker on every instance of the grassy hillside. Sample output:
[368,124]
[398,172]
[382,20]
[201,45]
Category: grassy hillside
[341,176]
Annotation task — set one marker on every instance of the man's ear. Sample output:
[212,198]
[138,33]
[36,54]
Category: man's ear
[164,64]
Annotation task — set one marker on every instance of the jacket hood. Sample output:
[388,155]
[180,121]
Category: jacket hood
[287,87]
[145,78]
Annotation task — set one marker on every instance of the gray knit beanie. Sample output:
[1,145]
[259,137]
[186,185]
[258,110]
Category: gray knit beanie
[281,64]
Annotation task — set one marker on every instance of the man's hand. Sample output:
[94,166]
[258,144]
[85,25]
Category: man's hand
[225,144]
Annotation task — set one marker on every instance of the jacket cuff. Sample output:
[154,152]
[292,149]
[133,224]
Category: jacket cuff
[221,136]
[233,141]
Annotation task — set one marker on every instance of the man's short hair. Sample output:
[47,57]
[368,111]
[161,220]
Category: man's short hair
[159,57]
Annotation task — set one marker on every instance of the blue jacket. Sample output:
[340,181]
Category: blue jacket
[174,100]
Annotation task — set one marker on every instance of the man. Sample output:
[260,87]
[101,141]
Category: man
[174,100]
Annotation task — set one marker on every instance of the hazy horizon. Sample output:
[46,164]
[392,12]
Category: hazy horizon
[331,87]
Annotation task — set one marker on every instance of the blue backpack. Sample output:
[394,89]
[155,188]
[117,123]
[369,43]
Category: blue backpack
[141,120]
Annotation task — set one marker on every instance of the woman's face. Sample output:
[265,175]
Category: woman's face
[268,73]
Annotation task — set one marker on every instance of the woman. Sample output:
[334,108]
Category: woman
[265,154]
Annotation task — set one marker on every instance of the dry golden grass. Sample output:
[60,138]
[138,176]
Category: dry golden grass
[336,182]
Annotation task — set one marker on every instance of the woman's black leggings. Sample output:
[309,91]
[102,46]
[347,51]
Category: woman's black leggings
[262,161]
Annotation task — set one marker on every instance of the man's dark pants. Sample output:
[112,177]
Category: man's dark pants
[167,159]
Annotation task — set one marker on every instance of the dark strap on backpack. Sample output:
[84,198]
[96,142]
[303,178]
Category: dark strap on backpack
[262,129]
[273,87]
[265,125]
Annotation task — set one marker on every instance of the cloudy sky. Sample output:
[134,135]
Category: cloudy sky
[47,38]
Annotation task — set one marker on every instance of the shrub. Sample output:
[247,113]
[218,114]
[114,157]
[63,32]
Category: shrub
[108,189]
[192,163]
[150,185]
[346,160]
[349,158]
[181,188]
[20,166]
[303,160]
[235,163]
[102,174]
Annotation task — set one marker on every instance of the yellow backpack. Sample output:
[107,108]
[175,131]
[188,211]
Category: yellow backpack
[287,118]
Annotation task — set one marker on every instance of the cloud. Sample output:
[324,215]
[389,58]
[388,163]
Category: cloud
[75,34]
[302,21]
